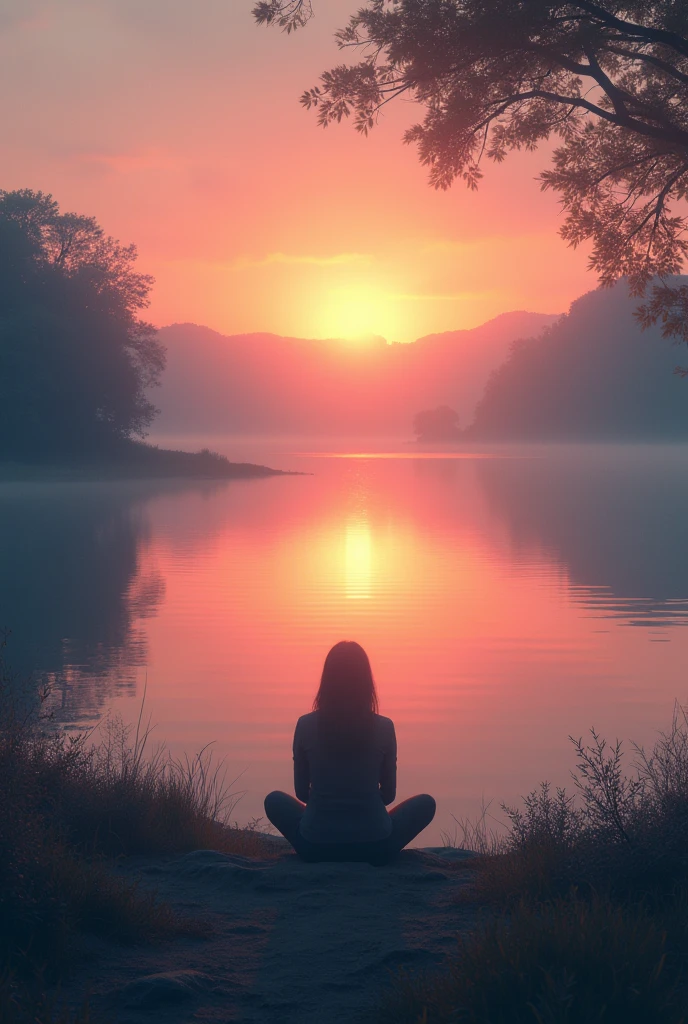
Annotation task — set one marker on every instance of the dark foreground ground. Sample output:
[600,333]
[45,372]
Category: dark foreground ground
[287,942]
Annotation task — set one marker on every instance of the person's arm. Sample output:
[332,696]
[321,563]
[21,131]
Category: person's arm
[388,771]
[302,771]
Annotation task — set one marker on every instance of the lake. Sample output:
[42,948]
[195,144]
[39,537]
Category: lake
[507,599]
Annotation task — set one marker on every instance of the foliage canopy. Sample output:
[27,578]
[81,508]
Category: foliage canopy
[75,357]
[608,79]
[591,375]
[440,424]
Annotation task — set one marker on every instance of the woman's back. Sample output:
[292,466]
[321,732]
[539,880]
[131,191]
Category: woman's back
[345,772]
[345,785]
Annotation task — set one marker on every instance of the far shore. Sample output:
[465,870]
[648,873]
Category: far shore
[136,461]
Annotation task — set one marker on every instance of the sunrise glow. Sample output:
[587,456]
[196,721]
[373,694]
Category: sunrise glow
[342,503]
[249,216]
[357,313]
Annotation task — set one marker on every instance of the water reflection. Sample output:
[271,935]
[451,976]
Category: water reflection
[493,596]
[358,559]
[612,518]
[73,590]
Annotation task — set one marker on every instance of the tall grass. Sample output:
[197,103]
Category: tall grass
[115,794]
[586,897]
[561,962]
[69,804]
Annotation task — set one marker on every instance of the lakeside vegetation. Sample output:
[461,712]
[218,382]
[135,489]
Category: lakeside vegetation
[439,425]
[594,374]
[79,362]
[78,359]
[71,806]
[585,902]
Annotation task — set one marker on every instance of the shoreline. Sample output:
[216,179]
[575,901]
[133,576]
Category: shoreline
[137,462]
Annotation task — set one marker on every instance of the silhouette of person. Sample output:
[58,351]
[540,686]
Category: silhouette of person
[345,773]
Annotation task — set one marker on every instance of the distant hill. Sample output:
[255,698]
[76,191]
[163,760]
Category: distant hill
[262,383]
[592,374]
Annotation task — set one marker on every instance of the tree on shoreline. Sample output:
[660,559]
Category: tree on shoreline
[75,357]
[440,424]
[592,375]
[609,79]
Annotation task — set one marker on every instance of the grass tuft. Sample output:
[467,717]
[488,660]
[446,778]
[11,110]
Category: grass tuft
[560,962]
[72,804]
[586,897]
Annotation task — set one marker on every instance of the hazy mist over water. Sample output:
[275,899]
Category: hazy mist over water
[507,598]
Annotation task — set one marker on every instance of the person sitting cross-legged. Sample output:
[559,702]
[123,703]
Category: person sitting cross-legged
[345,773]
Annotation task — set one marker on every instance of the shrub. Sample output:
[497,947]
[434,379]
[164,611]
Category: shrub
[588,901]
[619,833]
[561,962]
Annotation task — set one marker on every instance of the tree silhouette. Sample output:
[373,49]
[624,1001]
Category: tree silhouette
[608,78]
[75,358]
[440,424]
[591,375]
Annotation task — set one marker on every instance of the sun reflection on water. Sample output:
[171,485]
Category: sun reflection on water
[358,559]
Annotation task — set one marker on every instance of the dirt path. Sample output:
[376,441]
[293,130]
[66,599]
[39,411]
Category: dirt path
[292,943]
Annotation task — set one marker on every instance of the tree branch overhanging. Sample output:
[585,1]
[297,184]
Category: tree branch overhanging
[495,76]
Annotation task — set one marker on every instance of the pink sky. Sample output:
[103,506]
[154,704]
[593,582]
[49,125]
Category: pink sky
[178,126]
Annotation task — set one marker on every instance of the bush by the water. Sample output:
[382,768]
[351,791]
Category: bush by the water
[70,804]
[586,902]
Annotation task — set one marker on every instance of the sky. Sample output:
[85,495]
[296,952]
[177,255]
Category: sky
[177,124]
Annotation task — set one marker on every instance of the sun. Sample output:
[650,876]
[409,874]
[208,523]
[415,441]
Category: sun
[356,314]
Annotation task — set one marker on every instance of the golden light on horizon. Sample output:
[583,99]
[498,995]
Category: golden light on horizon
[357,313]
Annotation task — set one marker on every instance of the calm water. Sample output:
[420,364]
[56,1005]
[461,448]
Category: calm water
[506,602]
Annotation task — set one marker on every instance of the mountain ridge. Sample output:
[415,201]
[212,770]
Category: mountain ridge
[263,382]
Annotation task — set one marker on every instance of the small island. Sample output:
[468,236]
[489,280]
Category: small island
[437,426]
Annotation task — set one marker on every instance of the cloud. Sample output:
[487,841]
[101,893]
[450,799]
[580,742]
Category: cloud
[287,259]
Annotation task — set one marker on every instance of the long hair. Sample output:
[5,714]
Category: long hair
[346,699]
